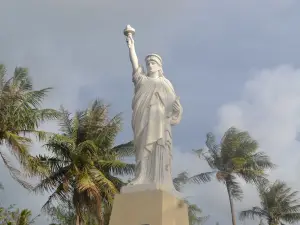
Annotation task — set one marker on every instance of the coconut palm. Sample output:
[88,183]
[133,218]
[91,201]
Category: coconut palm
[236,156]
[24,218]
[194,211]
[13,216]
[20,115]
[62,214]
[65,214]
[278,205]
[180,180]
[84,163]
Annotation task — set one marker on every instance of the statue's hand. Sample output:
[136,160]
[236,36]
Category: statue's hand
[176,105]
[177,112]
[130,41]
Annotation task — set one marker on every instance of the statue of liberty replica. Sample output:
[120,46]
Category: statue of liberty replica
[151,197]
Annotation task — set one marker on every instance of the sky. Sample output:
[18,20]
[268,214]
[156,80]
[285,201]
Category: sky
[233,63]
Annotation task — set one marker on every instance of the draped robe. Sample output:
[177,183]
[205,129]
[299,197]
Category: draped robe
[152,117]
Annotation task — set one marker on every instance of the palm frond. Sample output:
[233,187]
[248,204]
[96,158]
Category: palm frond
[234,187]
[40,135]
[181,179]
[124,150]
[278,203]
[252,213]
[15,173]
[194,213]
[101,180]
[42,166]
[65,121]
[84,183]
[21,79]
[61,146]
[259,161]
[87,147]
[116,167]
[107,134]
[199,152]
[43,115]
[213,147]
[201,178]
[11,168]
[54,180]
[24,217]
[118,183]
[58,195]
[18,144]
[32,99]
[291,217]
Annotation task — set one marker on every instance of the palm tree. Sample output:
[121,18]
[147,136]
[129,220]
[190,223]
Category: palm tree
[278,204]
[84,163]
[236,156]
[20,115]
[13,216]
[62,214]
[24,218]
[194,211]
[65,214]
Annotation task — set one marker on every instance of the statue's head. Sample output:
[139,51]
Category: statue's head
[154,64]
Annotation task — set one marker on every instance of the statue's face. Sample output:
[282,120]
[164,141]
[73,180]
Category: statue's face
[152,66]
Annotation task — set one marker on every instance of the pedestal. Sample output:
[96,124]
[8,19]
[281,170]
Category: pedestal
[150,207]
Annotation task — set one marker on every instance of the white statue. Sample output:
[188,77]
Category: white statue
[155,108]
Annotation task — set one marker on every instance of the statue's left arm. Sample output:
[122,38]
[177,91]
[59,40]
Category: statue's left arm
[177,112]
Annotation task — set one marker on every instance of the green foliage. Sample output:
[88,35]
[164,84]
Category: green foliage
[236,156]
[278,204]
[20,115]
[180,180]
[83,166]
[84,163]
[194,212]
[12,216]
[63,214]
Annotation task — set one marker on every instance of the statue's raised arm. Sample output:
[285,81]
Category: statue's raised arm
[129,32]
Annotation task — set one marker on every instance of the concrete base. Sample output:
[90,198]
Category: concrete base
[150,187]
[152,207]
[139,187]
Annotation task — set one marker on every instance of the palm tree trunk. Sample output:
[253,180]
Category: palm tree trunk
[99,211]
[77,219]
[231,205]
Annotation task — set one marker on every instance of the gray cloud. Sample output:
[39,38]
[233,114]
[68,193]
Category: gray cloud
[210,49]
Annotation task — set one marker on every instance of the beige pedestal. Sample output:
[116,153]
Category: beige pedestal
[148,207]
